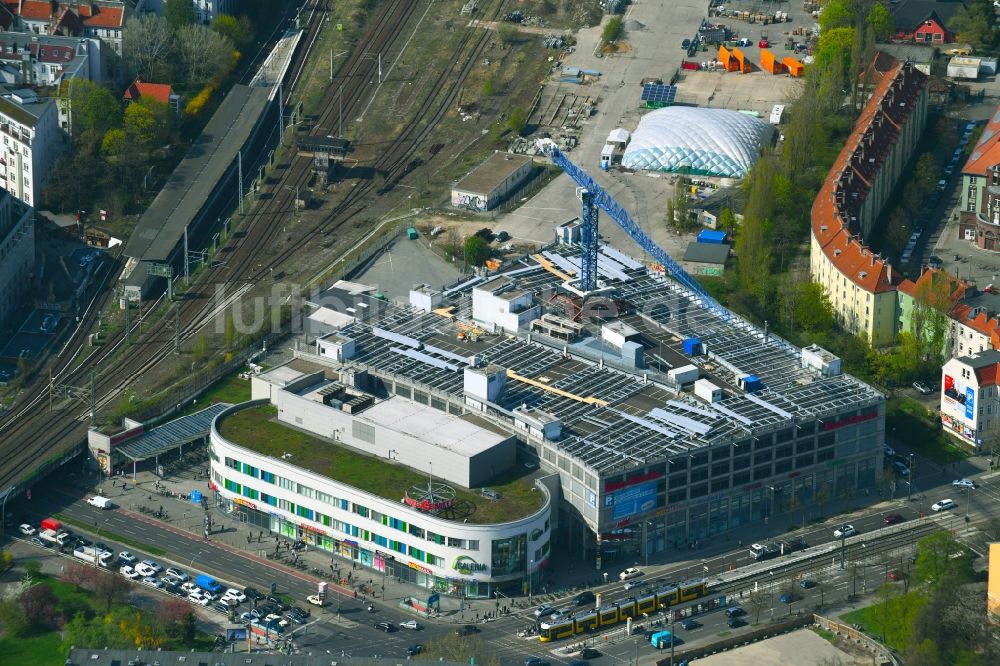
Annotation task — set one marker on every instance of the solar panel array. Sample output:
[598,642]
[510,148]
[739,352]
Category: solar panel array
[658,93]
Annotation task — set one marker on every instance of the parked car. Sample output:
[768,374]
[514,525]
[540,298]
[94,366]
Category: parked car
[280,603]
[153,565]
[384,626]
[734,622]
[27,530]
[735,611]
[38,542]
[252,593]
[584,598]
[889,452]
[199,598]
[763,44]
[410,624]
[690,624]
[921,387]
[153,582]
[190,587]
[301,612]
[414,649]
[896,574]
[314,599]
[964,483]
[893,519]
[844,531]
[686,44]
[807,584]
[943,505]
[178,574]
[144,569]
[221,606]
[296,618]
[901,468]
[129,572]
[631,572]
[788,597]
[234,594]
[126,557]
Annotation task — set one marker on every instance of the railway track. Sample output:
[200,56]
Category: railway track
[32,437]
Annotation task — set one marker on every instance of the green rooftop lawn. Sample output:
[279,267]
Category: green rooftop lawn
[258,429]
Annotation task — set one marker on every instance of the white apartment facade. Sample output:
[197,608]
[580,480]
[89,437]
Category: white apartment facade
[970,400]
[17,254]
[32,140]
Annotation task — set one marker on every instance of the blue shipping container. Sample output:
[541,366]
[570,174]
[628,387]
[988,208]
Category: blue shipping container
[692,346]
[710,236]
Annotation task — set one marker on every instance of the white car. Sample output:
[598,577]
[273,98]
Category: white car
[235,595]
[943,505]
[199,598]
[126,557]
[844,531]
[128,572]
[153,582]
[314,600]
[410,624]
[964,483]
[27,530]
[631,572]
[145,570]
[153,565]
[190,588]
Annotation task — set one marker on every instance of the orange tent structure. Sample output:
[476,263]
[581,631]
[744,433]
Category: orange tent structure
[727,60]
[745,66]
[795,68]
[769,63]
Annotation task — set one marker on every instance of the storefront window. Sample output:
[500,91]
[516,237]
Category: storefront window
[509,555]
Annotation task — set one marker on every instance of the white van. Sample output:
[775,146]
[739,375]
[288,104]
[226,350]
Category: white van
[99,502]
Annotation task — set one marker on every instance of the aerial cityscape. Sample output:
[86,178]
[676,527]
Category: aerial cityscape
[503,332]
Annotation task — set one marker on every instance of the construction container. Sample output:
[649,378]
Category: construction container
[795,68]
[687,64]
[728,61]
[742,64]
[411,233]
[770,63]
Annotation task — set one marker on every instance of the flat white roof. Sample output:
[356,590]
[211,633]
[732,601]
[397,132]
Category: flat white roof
[282,375]
[331,317]
[455,433]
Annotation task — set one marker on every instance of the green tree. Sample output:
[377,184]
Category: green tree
[838,14]
[140,124]
[237,30]
[13,619]
[32,568]
[612,30]
[179,13]
[813,310]
[682,205]
[975,23]
[517,120]
[477,251]
[727,221]
[188,630]
[754,259]
[113,144]
[880,21]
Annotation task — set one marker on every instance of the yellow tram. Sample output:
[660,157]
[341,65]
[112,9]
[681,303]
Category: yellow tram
[620,611]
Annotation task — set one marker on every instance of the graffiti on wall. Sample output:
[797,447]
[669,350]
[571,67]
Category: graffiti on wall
[468,201]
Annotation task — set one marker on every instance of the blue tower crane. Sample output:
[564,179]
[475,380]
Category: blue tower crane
[592,197]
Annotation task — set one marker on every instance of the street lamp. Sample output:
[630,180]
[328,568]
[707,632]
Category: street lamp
[968,498]
[531,563]
[909,480]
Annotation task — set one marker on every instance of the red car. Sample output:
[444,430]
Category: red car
[895,574]
[892,519]
[763,44]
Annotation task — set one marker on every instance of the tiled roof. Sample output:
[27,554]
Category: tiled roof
[987,375]
[983,322]
[159,91]
[911,14]
[957,287]
[987,150]
[92,15]
[834,212]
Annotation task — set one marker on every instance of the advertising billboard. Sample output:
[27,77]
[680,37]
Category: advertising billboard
[632,500]
[957,395]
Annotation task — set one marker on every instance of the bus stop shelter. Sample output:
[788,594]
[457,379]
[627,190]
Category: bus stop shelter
[170,436]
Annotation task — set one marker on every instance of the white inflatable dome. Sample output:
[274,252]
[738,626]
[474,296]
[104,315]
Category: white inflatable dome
[708,142]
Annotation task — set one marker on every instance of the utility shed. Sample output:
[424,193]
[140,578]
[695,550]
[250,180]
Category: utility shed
[964,67]
[491,182]
[706,258]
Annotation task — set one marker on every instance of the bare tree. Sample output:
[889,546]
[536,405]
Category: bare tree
[758,601]
[146,44]
[79,574]
[111,588]
[203,53]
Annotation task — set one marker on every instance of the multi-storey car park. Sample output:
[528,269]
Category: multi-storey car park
[654,419]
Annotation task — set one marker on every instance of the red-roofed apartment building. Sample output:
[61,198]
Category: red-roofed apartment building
[860,284]
[970,409]
[979,217]
[104,19]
